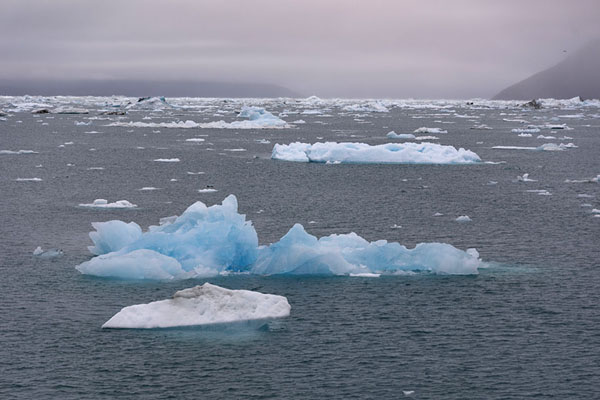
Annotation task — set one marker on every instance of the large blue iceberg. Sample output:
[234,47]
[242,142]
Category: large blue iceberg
[206,241]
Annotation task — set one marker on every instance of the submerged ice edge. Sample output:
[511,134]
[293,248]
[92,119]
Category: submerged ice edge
[207,241]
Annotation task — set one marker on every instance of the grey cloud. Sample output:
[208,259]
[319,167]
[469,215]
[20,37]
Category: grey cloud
[330,48]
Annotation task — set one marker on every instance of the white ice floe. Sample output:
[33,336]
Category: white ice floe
[50,253]
[18,152]
[541,192]
[525,178]
[390,153]
[525,130]
[546,137]
[29,179]
[525,135]
[149,188]
[202,305]
[103,203]
[207,190]
[463,218]
[194,140]
[206,241]
[365,275]
[167,160]
[544,147]
[371,106]
[433,131]
[394,135]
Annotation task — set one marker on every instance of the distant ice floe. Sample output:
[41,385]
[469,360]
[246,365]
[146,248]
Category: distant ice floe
[482,127]
[257,118]
[50,253]
[103,203]
[206,241]
[169,160]
[541,192]
[525,178]
[29,179]
[544,147]
[18,152]
[149,104]
[463,219]
[394,135]
[70,110]
[371,106]
[390,153]
[207,190]
[433,131]
[202,305]
[591,180]
[194,140]
[525,130]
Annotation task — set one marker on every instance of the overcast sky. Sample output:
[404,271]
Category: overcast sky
[370,48]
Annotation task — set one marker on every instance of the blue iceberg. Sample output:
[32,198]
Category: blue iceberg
[206,241]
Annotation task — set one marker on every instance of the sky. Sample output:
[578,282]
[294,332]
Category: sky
[328,48]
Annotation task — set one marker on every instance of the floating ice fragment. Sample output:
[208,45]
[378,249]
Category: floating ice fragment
[463,218]
[365,275]
[51,253]
[394,135]
[202,305]
[194,140]
[18,152]
[167,160]
[525,178]
[103,203]
[430,130]
[390,153]
[28,179]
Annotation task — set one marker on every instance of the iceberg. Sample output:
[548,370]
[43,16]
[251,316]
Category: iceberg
[390,153]
[202,241]
[150,103]
[463,218]
[202,305]
[207,241]
[103,203]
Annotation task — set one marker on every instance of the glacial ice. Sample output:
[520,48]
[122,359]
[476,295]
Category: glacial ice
[18,152]
[430,130]
[50,253]
[205,304]
[206,241]
[371,106]
[394,135]
[257,118]
[463,218]
[390,153]
[103,203]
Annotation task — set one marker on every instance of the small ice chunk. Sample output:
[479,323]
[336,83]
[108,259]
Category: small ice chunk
[365,275]
[167,160]
[463,218]
[525,178]
[51,253]
[28,179]
[202,305]
[194,140]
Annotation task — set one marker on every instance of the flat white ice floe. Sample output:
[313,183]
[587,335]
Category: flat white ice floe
[50,253]
[256,118]
[207,241]
[390,153]
[29,179]
[463,218]
[167,160]
[103,203]
[394,135]
[544,147]
[18,152]
[202,305]
[433,131]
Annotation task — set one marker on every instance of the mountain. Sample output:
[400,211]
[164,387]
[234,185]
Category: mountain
[577,75]
[142,88]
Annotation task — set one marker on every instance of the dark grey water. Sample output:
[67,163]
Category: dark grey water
[525,327]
